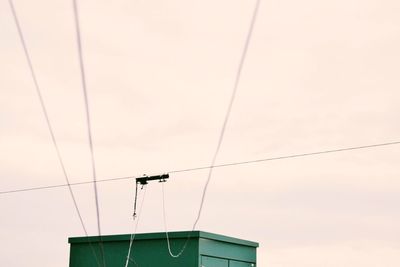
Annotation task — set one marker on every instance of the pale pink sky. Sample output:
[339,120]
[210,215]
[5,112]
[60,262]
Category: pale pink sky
[319,75]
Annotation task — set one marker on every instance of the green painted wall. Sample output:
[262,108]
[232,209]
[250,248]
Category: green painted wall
[150,250]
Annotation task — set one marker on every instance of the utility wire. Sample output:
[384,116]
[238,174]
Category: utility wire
[47,119]
[208,167]
[287,157]
[132,238]
[228,112]
[45,113]
[88,122]
[166,227]
[221,134]
[84,88]
[166,230]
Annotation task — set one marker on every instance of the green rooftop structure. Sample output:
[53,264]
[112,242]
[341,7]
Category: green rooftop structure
[150,250]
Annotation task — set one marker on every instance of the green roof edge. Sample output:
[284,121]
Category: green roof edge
[161,235]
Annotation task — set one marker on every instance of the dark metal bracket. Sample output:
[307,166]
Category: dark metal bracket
[145,179]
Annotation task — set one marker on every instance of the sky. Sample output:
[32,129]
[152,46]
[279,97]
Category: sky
[318,75]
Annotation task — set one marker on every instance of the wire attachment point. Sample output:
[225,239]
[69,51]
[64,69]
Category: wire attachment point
[145,179]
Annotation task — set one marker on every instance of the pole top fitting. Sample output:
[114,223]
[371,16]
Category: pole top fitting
[145,179]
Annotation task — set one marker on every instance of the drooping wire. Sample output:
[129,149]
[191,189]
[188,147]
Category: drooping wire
[223,128]
[223,165]
[88,121]
[135,218]
[228,112]
[166,229]
[47,119]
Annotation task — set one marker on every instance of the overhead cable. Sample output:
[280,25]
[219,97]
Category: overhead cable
[285,157]
[228,111]
[172,254]
[221,133]
[88,122]
[223,165]
[47,119]
[45,113]
[135,218]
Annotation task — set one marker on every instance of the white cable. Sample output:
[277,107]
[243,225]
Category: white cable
[222,132]
[228,112]
[128,257]
[166,230]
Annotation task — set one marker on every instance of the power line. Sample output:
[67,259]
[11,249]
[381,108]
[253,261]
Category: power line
[208,167]
[221,134]
[132,238]
[228,112]
[166,229]
[88,122]
[45,113]
[288,157]
[47,119]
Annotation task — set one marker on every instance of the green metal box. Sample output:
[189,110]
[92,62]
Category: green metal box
[150,250]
